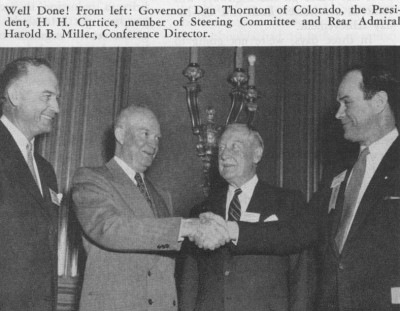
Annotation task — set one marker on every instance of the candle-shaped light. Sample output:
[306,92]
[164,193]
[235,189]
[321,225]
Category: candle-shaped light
[252,71]
[194,55]
[239,57]
[62,248]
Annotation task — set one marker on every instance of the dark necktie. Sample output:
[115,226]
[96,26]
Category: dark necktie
[234,207]
[350,199]
[142,187]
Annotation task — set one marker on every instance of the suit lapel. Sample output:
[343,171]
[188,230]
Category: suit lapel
[262,201]
[128,191]
[17,169]
[378,186]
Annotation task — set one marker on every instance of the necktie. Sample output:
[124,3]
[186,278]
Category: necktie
[142,187]
[350,199]
[29,160]
[234,207]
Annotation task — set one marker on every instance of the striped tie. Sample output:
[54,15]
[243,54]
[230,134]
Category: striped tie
[234,207]
[142,187]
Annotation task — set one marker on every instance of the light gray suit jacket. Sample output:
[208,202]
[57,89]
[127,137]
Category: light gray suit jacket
[130,253]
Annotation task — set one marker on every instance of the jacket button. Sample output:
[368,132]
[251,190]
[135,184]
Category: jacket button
[149,273]
[227,273]
[174,303]
[150,302]
[341,266]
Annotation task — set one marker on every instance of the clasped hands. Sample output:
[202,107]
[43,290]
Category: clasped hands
[211,231]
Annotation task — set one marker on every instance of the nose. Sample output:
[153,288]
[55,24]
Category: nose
[54,105]
[340,114]
[153,142]
[223,152]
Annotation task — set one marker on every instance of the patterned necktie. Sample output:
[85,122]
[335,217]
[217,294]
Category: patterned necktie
[350,199]
[142,187]
[234,207]
[29,160]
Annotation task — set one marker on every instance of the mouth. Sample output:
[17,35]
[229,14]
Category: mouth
[149,154]
[47,117]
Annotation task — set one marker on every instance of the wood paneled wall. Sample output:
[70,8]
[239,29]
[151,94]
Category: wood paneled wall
[296,111]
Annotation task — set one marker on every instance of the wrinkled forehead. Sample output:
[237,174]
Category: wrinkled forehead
[144,119]
[236,135]
[39,77]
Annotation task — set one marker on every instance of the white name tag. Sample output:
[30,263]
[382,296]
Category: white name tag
[396,295]
[250,217]
[55,197]
[335,189]
[338,179]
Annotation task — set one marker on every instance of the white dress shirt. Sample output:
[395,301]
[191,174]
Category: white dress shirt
[244,198]
[22,142]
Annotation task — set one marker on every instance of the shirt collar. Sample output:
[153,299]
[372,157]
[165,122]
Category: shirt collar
[127,169]
[379,148]
[247,188]
[18,136]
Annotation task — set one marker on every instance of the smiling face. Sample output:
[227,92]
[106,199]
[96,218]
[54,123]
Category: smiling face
[138,136]
[357,114]
[238,156]
[35,100]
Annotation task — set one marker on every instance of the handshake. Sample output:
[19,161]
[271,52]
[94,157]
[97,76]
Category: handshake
[209,231]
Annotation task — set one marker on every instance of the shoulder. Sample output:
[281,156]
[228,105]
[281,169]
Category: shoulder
[279,192]
[83,174]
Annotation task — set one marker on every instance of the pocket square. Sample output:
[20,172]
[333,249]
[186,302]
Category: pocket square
[271,218]
[391,198]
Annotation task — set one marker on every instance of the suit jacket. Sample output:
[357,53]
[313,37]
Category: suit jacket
[28,231]
[220,280]
[363,275]
[130,264]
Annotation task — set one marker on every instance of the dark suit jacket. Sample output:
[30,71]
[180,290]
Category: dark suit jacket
[28,231]
[362,276]
[220,280]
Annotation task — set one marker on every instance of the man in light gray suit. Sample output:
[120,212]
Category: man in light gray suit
[130,236]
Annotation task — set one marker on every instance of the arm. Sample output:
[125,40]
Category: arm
[108,220]
[292,235]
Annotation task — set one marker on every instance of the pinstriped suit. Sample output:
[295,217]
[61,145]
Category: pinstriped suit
[130,264]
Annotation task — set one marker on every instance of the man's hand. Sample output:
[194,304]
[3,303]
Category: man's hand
[206,232]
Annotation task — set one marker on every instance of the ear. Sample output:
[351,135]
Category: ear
[380,101]
[257,155]
[14,95]
[119,134]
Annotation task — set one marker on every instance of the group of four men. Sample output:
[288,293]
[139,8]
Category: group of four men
[253,241]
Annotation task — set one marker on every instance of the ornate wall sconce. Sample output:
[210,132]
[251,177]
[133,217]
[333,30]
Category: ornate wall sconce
[243,97]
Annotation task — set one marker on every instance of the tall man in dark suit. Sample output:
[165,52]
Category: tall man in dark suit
[130,234]
[28,188]
[357,218]
[223,281]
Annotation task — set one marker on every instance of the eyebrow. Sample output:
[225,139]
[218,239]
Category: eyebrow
[343,97]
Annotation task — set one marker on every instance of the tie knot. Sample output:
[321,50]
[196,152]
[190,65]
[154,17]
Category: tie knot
[364,153]
[138,178]
[29,147]
[238,191]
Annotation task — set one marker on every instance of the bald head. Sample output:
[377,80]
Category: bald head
[137,132]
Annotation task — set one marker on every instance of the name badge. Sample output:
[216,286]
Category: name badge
[395,295]
[335,190]
[55,197]
[250,217]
